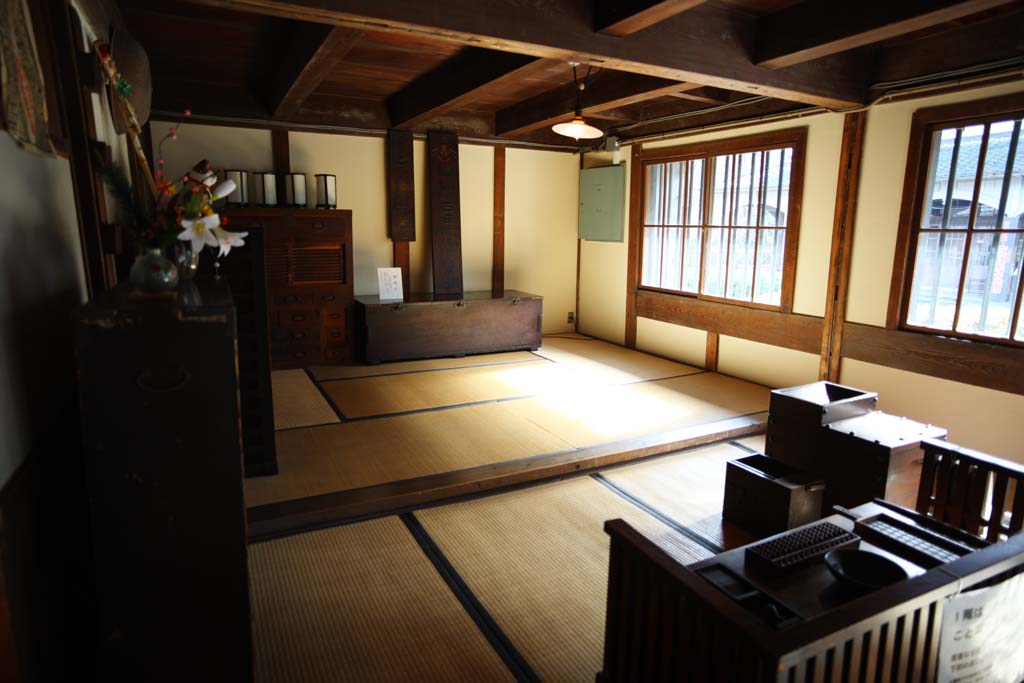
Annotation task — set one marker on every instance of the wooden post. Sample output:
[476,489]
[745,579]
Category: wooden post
[842,245]
[498,244]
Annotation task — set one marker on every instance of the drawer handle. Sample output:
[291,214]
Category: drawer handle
[335,316]
[291,299]
[299,335]
[318,226]
[172,379]
[299,354]
[329,297]
[336,334]
[298,317]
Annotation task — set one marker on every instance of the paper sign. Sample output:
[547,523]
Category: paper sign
[389,280]
[981,635]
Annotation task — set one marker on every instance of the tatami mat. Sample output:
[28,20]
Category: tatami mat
[389,394]
[756,442]
[360,603]
[604,363]
[297,401]
[363,453]
[538,561]
[329,372]
[687,487]
[589,416]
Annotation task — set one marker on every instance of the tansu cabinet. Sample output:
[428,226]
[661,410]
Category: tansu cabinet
[159,400]
[423,326]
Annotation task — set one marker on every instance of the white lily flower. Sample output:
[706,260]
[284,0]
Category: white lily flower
[224,189]
[200,231]
[227,240]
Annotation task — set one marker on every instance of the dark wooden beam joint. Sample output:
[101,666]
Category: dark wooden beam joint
[313,52]
[626,18]
[819,28]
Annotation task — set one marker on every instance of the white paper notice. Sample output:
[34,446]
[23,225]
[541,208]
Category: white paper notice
[981,635]
[390,282]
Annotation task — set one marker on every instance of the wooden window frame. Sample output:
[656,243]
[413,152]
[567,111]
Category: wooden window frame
[923,124]
[790,137]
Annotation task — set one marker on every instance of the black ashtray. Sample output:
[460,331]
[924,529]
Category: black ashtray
[863,569]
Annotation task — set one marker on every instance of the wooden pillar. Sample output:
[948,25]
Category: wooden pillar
[498,243]
[842,245]
[282,157]
[633,257]
[711,352]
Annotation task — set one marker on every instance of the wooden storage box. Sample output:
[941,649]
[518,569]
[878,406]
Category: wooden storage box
[796,414]
[766,496]
[425,327]
[864,453]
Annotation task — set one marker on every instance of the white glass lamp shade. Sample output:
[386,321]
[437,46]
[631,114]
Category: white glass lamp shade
[240,197]
[326,191]
[295,190]
[269,188]
[577,129]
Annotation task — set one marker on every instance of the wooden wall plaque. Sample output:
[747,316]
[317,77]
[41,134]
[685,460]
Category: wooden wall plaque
[445,218]
[401,189]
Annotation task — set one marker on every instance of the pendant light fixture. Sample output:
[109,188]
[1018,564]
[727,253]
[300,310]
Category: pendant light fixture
[578,128]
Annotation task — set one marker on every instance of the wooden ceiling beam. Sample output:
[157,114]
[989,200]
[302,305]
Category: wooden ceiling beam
[457,82]
[627,17]
[820,28]
[709,44]
[314,50]
[609,90]
[706,95]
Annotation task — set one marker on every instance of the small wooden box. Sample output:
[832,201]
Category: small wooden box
[765,496]
[796,415]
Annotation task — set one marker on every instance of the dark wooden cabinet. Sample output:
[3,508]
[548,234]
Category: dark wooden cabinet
[308,266]
[423,326]
[161,438]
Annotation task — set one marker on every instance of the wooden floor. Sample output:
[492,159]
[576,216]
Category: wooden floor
[361,440]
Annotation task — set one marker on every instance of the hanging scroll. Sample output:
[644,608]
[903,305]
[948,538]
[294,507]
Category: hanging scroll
[445,220]
[401,190]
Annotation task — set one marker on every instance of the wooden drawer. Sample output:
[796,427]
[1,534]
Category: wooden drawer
[293,296]
[298,317]
[335,335]
[280,335]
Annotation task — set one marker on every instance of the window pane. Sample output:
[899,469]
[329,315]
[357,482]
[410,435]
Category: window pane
[721,207]
[714,262]
[691,268]
[741,264]
[990,287]
[933,293]
[776,187]
[671,259]
[952,172]
[695,203]
[674,194]
[651,275]
[770,259]
[655,193]
[1001,201]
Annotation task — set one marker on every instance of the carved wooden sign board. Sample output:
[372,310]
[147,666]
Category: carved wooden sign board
[401,190]
[445,219]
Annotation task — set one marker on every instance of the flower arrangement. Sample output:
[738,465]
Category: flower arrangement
[182,209]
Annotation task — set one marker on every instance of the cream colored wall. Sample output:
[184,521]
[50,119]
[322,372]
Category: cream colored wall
[880,195]
[976,417]
[541,211]
[246,149]
[602,296]
[42,278]
[765,364]
[677,342]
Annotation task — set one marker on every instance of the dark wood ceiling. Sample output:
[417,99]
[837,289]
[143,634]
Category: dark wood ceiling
[500,68]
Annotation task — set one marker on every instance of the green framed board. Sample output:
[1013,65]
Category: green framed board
[602,202]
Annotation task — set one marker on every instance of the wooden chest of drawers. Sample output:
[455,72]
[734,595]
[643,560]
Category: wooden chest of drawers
[309,283]
[424,327]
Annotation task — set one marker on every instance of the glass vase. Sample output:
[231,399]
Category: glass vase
[152,272]
[186,260]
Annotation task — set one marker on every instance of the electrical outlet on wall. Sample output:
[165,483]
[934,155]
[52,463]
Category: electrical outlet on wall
[572,317]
